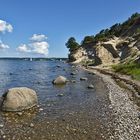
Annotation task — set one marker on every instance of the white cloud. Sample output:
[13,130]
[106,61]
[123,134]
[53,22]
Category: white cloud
[38,46]
[4,26]
[3,46]
[38,37]
[23,48]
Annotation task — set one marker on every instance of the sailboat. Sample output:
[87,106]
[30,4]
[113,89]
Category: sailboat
[31,59]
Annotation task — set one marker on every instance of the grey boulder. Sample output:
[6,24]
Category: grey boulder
[18,99]
[60,80]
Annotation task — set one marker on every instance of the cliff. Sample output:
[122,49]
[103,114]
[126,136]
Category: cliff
[119,44]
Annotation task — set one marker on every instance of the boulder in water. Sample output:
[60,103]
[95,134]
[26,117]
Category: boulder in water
[83,79]
[18,99]
[60,80]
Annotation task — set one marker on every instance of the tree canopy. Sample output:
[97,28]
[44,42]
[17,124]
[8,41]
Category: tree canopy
[88,40]
[117,29]
[71,44]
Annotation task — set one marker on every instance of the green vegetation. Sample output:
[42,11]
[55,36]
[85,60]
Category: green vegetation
[132,69]
[138,31]
[118,29]
[88,40]
[87,62]
[72,45]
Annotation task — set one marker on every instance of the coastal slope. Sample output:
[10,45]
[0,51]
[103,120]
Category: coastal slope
[118,44]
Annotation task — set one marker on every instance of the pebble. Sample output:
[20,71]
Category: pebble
[40,109]
[60,95]
[73,73]
[48,105]
[58,66]
[1,132]
[74,129]
[83,79]
[1,125]
[91,86]
[73,81]
[3,136]
[31,125]
[139,115]
[91,73]
[19,113]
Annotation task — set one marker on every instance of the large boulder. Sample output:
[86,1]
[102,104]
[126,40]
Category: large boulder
[18,99]
[60,80]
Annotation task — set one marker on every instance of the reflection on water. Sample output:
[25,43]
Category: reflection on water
[80,113]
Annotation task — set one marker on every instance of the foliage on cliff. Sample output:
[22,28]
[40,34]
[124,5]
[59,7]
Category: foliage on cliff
[72,45]
[118,29]
[122,39]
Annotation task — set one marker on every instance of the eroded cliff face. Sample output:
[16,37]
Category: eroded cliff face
[113,51]
[78,55]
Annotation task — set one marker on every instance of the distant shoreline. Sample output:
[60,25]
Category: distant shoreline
[34,59]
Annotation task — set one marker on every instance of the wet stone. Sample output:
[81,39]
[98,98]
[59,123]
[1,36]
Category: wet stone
[90,86]
[73,73]
[58,66]
[40,109]
[83,79]
[60,80]
[60,95]
[73,81]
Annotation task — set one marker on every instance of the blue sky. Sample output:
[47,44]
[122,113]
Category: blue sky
[57,20]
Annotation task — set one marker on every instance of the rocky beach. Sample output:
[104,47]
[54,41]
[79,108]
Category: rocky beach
[90,105]
[69,70]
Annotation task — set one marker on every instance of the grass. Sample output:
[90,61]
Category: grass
[132,69]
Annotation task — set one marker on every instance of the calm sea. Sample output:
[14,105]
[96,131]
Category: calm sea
[77,109]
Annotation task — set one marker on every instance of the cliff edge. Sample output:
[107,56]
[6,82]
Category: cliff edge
[118,44]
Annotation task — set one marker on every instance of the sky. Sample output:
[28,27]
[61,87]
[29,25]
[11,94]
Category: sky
[40,28]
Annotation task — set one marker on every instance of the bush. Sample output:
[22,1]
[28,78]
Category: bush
[132,69]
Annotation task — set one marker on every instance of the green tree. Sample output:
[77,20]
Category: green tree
[115,29]
[135,15]
[88,40]
[71,44]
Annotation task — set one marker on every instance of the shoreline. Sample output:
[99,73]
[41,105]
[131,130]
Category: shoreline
[125,110]
[124,81]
